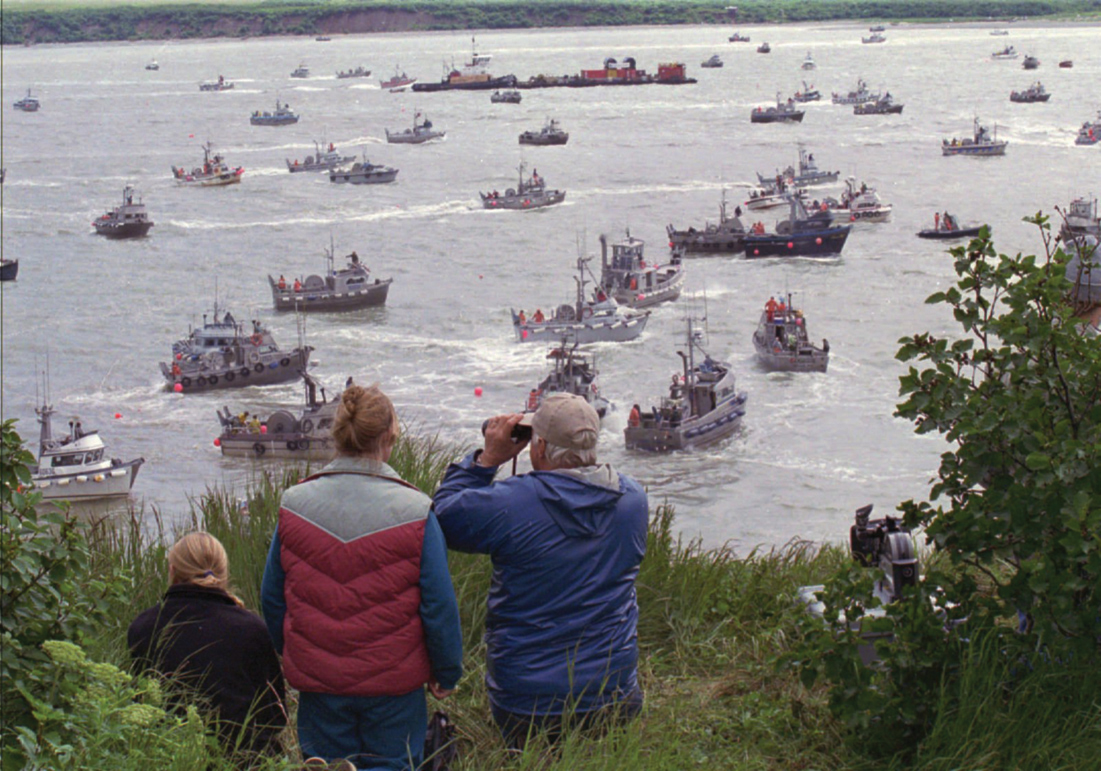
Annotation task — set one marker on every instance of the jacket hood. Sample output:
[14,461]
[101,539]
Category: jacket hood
[581,501]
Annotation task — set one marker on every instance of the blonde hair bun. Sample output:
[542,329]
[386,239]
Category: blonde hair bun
[365,421]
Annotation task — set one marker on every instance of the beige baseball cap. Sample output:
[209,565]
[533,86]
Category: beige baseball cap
[565,420]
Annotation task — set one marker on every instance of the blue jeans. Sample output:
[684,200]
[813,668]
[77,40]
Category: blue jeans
[374,732]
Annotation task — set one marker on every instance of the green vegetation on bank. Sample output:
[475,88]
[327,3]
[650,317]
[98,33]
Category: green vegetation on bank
[49,22]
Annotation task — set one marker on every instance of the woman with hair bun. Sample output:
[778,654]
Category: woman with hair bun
[358,598]
[202,637]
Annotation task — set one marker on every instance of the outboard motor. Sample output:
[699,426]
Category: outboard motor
[884,543]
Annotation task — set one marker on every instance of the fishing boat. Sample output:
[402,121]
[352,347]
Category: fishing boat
[946,226]
[1007,53]
[283,435]
[127,220]
[596,320]
[875,37]
[859,95]
[726,235]
[739,38]
[1090,133]
[76,467]
[399,81]
[632,281]
[221,84]
[358,72]
[1034,93]
[223,354]
[783,112]
[573,371]
[703,407]
[877,28]
[1066,64]
[782,343]
[885,105]
[9,269]
[364,173]
[213,173]
[808,62]
[859,203]
[764,48]
[422,131]
[508,96]
[474,75]
[531,193]
[803,234]
[981,143]
[153,65]
[714,61]
[808,173]
[29,103]
[550,134]
[1030,62]
[301,71]
[321,160]
[772,196]
[808,94]
[348,289]
[282,116]
[999,32]
[1081,218]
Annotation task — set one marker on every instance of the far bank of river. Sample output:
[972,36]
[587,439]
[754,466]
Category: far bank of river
[45,24]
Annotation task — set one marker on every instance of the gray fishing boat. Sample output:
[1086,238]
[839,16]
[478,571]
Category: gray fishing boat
[127,220]
[347,289]
[531,193]
[283,435]
[29,103]
[782,343]
[1034,93]
[783,112]
[573,371]
[301,71]
[221,354]
[713,62]
[214,172]
[9,269]
[858,96]
[726,235]
[1090,133]
[364,173]
[358,72]
[808,173]
[508,96]
[599,320]
[703,407]
[981,143]
[634,282]
[885,105]
[76,467]
[283,115]
[422,131]
[221,84]
[1081,219]
[550,134]
[321,160]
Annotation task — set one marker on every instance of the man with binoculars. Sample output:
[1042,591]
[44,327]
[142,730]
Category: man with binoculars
[566,542]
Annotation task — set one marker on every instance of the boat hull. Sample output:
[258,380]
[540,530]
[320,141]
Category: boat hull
[9,269]
[125,230]
[409,138]
[273,121]
[217,180]
[694,433]
[894,109]
[294,446]
[370,296]
[765,117]
[1021,99]
[666,290]
[704,241]
[360,178]
[944,235]
[538,140]
[526,202]
[114,482]
[804,359]
[258,370]
[982,151]
[822,243]
[598,330]
[505,81]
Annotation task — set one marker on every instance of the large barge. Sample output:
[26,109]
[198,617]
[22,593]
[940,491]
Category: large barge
[613,74]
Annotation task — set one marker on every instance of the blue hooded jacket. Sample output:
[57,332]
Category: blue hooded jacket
[562,622]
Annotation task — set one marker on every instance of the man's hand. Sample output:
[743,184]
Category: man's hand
[438,692]
[499,447]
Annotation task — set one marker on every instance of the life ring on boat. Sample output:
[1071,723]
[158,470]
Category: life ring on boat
[245,371]
[229,376]
[256,339]
[258,449]
[185,381]
[201,381]
[253,357]
[586,313]
[307,426]
[212,380]
[292,445]
[303,444]
[258,368]
[285,362]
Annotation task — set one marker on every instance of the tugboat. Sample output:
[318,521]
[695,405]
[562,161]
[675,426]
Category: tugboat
[946,226]
[1034,93]
[599,320]
[508,96]
[782,343]
[221,84]
[473,75]
[76,467]
[738,38]
[885,105]
[783,112]
[1090,133]
[980,143]
[422,131]
[803,234]
[726,235]
[633,282]
[808,62]
[808,174]
[875,38]
[320,161]
[221,354]
[764,48]
[574,372]
[704,406]
[550,134]
[1007,53]
[301,71]
[861,204]
[213,173]
[714,61]
[28,103]
[364,173]
[859,96]
[399,81]
[347,289]
[283,116]
[282,435]
[129,220]
[358,72]
[530,194]
[1030,62]
[808,94]
[9,269]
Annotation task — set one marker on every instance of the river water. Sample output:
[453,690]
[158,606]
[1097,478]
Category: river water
[814,447]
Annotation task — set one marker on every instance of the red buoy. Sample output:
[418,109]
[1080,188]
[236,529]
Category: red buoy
[217,442]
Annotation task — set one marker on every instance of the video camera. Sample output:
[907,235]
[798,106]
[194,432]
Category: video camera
[519,433]
[884,543]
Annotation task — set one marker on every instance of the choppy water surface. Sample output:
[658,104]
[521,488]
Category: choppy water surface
[814,447]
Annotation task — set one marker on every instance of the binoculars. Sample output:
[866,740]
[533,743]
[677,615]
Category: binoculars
[519,433]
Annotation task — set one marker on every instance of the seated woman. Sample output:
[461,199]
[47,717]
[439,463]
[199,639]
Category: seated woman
[202,637]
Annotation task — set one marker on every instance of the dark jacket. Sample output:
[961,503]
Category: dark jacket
[201,638]
[562,622]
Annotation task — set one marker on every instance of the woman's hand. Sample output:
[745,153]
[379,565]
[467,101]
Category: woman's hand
[438,692]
